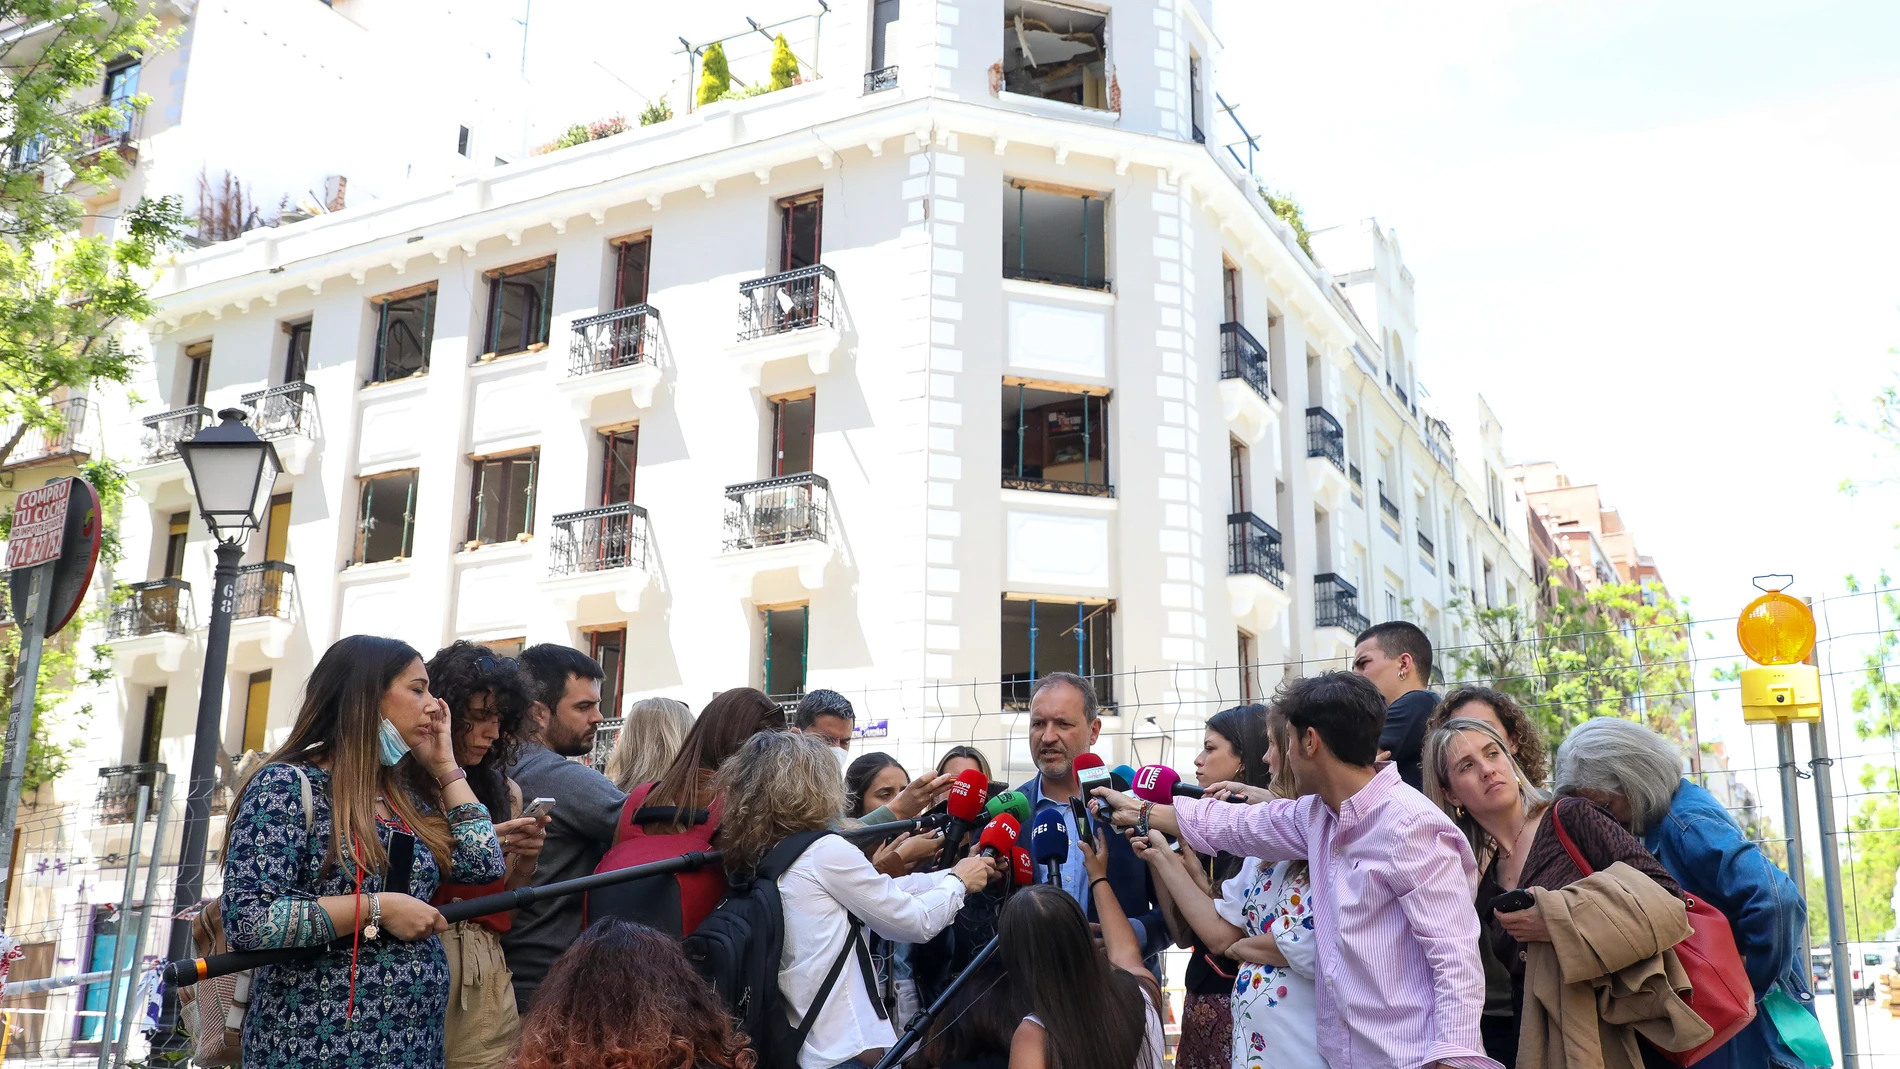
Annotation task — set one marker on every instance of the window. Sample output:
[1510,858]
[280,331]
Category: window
[1248,653]
[518,307]
[385,527]
[462,135]
[630,272]
[501,498]
[1194,102]
[1236,476]
[1055,52]
[883,13]
[507,647]
[296,351]
[122,84]
[277,528]
[1055,440]
[619,457]
[801,222]
[197,372]
[256,712]
[1055,235]
[405,327]
[1229,292]
[153,728]
[1490,586]
[1043,635]
[178,530]
[787,648]
[793,420]
[1391,604]
[609,650]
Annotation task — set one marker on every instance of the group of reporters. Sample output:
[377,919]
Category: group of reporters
[1342,919]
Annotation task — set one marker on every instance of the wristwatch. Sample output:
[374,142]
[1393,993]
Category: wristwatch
[459,773]
[375,925]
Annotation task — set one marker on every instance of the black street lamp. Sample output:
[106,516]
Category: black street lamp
[232,472]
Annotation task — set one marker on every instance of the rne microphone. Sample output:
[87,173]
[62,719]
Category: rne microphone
[999,839]
[965,805]
[1023,869]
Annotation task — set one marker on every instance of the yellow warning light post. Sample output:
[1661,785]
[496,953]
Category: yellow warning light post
[1777,633]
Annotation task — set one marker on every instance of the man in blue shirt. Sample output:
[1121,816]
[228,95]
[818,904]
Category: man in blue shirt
[1064,722]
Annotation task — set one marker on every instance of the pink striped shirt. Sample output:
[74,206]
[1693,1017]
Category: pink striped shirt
[1399,982]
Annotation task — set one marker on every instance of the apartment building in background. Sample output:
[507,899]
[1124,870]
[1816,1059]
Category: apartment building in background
[1591,536]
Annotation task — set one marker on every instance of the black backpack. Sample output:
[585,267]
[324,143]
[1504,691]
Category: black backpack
[738,947]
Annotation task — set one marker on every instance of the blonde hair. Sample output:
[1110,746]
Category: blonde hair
[1285,783]
[778,783]
[649,740]
[1437,774]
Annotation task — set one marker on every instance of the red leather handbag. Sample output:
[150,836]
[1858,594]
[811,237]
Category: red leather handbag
[1721,994]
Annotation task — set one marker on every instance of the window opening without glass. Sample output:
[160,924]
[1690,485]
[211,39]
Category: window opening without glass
[256,712]
[1043,635]
[385,527]
[801,224]
[296,351]
[1056,52]
[1055,440]
[609,650]
[631,259]
[883,13]
[1055,235]
[793,420]
[620,456]
[787,650]
[501,497]
[197,372]
[178,531]
[518,305]
[405,327]
[153,728]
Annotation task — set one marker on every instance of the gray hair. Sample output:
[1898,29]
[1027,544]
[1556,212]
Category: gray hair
[1091,709]
[649,740]
[1437,768]
[1625,758]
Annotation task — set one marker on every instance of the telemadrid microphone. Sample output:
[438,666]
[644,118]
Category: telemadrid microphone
[1123,777]
[1091,773]
[965,805]
[1049,843]
[1015,803]
[1021,867]
[999,838]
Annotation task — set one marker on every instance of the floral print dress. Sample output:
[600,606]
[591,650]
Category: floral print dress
[1273,1006]
[305,1013]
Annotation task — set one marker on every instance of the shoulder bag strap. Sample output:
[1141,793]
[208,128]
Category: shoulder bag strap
[854,942]
[1570,847]
[309,806]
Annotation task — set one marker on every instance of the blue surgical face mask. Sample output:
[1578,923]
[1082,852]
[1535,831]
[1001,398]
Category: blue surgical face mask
[390,743]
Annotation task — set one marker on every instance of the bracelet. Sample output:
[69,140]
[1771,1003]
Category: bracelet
[1096,880]
[459,773]
[1141,822]
[375,925]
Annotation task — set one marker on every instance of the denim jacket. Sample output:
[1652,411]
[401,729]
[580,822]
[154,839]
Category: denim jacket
[1699,843]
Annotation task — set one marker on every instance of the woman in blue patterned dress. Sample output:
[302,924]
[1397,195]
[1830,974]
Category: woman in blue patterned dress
[373,746]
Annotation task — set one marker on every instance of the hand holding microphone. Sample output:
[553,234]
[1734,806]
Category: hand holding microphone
[1161,785]
[999,837]
[1234,791]
[965,804]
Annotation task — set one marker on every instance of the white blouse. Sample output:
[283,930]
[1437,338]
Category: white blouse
[831,882]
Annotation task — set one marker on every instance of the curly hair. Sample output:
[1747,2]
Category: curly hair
[1526,741]
[778,783]
[587,1015]
[463,671]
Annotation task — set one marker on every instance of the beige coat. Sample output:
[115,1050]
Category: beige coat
[1607,976]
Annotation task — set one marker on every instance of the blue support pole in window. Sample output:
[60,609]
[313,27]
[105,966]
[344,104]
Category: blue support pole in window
[1032,642]
[1085,437]
[1081,642]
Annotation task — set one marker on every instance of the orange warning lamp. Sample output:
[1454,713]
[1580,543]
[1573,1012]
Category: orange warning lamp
[1777,633]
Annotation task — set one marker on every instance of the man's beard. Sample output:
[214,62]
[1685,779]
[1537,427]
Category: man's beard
[571,745]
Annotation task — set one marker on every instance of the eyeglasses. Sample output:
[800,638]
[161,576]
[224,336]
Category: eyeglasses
[489,664]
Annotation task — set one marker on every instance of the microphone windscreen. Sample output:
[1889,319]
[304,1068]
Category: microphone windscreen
[1091,773]
[967,795]
[1086,761]
[1123,776]
[1155,783]
[1025,869]
[999,836]
[1050,842]
[1015,803]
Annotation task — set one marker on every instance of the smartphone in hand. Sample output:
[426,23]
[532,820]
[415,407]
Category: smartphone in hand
[540,807]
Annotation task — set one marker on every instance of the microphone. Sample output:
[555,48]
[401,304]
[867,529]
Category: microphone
[1123,776]
[1015,803]
[1049,844]
[1161,785]
[999,839]
[1021,867]
[1091,773]
[965,805]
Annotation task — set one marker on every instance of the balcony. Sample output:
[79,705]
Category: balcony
[1388,506]
[598,551]
[122,135]
[119,791]
[1426,556]
[159,473]
[1256,572]
[1336,610]
[74,440]
[287,416]
[263,614]
[147,629]
[1246,384]
[785,317]
[879,80]
[615,352]
[1326,458]
[776,524]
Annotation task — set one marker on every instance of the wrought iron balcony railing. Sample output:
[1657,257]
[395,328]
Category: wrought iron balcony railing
[605,735]
[620,338]
[284,411]
[150,608]
[774,512]
[1336,604]
[1200,137]
[37,445]
[1352,472]
[164,431]
[598,540]
[1387,505]
[268,588]
[795,300]
[119,791]
[1425,545]
[1253,548]
[1243,357]
[1325,437]
[881,79]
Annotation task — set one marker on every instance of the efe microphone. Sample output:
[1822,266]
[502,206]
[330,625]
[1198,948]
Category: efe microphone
[1049,844]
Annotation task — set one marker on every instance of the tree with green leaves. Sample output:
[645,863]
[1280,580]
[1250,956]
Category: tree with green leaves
[1288,210]
[715,78]
[784,64]
[1615,650]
